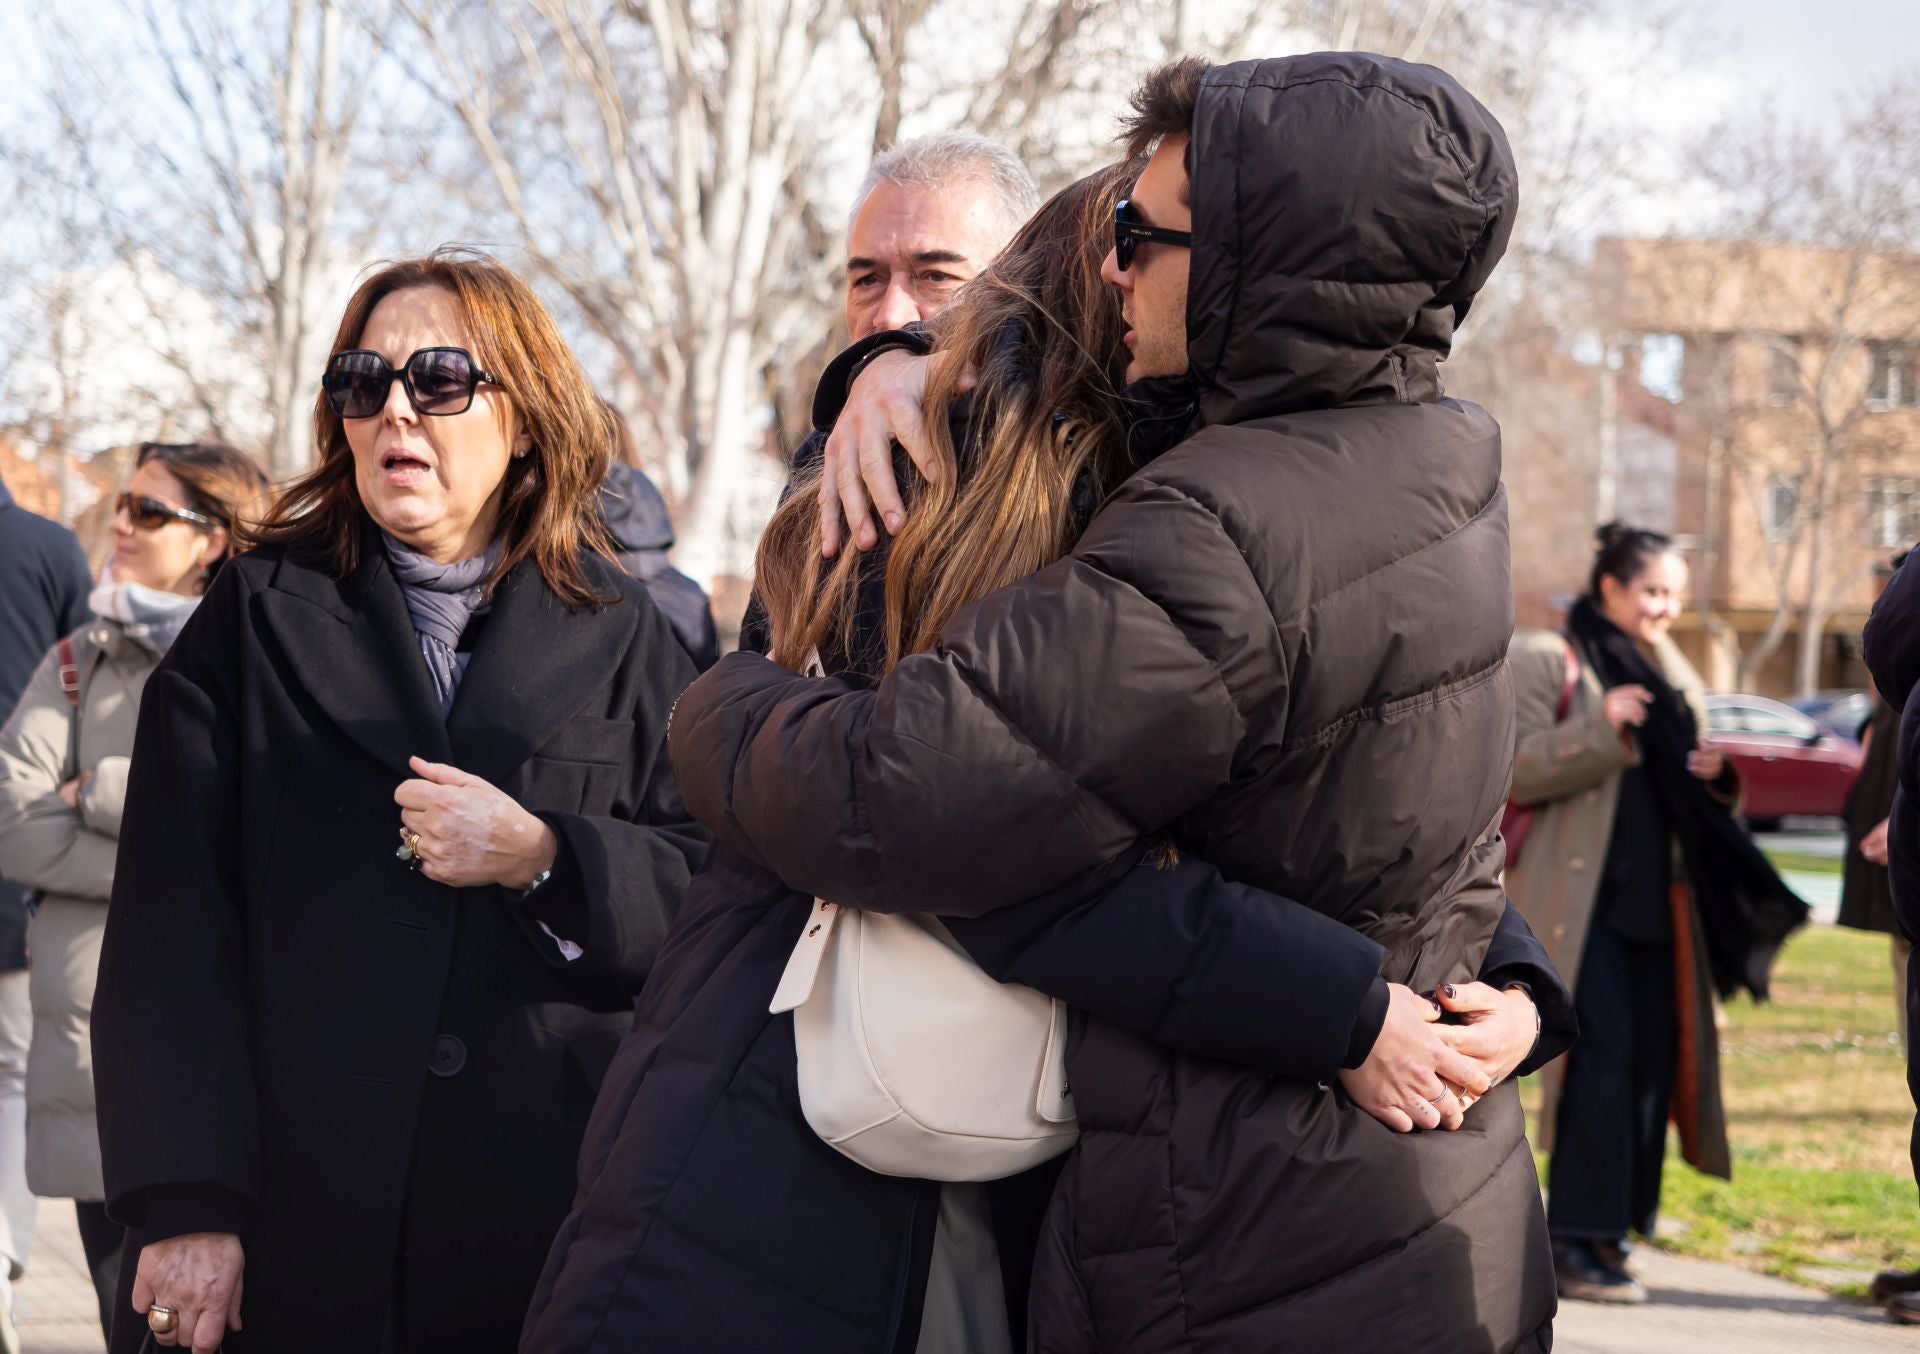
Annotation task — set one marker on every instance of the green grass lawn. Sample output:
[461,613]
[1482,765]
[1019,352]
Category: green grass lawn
[1795,860]
[1822,1190]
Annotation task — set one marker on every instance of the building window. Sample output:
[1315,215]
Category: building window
[1781,507]
[1890,377]
[1663,360]
[1783,371]
[1893,512]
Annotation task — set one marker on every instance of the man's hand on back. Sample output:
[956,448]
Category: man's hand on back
[1413,1078]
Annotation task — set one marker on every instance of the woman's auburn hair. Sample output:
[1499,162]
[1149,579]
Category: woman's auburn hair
[549,505]
[1042,332]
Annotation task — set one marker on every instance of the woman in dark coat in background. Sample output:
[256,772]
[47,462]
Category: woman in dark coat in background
[1643,884]
[399,847]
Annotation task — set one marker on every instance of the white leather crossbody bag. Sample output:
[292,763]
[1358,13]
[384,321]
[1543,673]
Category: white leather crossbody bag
[913,1062]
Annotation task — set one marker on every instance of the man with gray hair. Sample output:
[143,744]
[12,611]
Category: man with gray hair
[930,214]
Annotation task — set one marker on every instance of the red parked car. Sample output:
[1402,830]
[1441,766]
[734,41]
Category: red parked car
[1787,764]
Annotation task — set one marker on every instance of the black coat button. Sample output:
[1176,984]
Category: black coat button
[448,1057]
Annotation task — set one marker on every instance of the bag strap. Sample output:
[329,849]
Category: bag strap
[73,687]
[1573,681]
[803,965]
[69,672]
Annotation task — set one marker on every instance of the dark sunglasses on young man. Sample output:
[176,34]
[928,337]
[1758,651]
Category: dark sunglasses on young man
[439,381]
[150,514]
[1129,230]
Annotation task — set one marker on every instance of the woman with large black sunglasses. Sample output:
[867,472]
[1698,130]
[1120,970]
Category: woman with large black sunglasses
[64,757]
[401,844]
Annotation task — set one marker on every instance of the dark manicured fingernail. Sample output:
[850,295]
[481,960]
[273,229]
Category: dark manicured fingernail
[1448,989]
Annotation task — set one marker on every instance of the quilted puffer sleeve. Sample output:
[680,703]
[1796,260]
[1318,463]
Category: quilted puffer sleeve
[1058,721]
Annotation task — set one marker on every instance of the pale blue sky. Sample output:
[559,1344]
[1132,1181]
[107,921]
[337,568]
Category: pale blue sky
[1807,52]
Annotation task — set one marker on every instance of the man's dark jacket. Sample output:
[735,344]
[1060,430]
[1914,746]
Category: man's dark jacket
[1866,890]
[1284,642]
[1893,656]
[637,516]
[44,580]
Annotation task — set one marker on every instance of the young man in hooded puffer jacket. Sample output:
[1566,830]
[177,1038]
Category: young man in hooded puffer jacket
[1283,643]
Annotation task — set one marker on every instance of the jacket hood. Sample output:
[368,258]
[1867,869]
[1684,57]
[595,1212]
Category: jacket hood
[1347,208]
[636,513]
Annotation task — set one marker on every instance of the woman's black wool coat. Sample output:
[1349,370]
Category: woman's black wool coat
[379,1081]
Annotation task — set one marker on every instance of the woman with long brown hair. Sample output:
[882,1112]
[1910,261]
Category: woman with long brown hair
[399,846]
[1038,336]
[711,1215]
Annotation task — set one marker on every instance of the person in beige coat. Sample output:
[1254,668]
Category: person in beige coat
[1635,875]
[63,778]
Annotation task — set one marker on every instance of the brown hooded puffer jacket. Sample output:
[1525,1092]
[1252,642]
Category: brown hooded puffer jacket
[1283,641]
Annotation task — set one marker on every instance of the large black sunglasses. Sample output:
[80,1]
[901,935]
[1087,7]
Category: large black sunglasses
[1129,230]
[439,381]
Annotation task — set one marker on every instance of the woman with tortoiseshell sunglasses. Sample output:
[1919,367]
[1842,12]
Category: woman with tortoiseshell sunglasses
[64,756]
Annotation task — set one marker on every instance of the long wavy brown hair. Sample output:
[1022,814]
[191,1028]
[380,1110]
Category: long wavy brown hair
[1042,332]
[548,509]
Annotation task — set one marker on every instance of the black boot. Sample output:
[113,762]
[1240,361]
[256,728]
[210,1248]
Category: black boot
[1890,1284]
[1583,1277]
[1613,1254]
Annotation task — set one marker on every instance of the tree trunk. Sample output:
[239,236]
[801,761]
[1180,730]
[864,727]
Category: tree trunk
[705,535]
[1813,623]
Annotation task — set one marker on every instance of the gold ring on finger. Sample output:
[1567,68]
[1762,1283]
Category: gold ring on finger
[162,1320]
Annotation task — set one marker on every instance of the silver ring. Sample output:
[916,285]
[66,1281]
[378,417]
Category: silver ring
[1445,1091]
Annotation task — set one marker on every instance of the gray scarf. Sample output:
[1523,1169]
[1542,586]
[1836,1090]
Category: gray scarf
[441,599]
[151,618]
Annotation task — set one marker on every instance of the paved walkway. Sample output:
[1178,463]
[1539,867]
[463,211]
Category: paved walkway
[1696,1308]
[58,1314]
